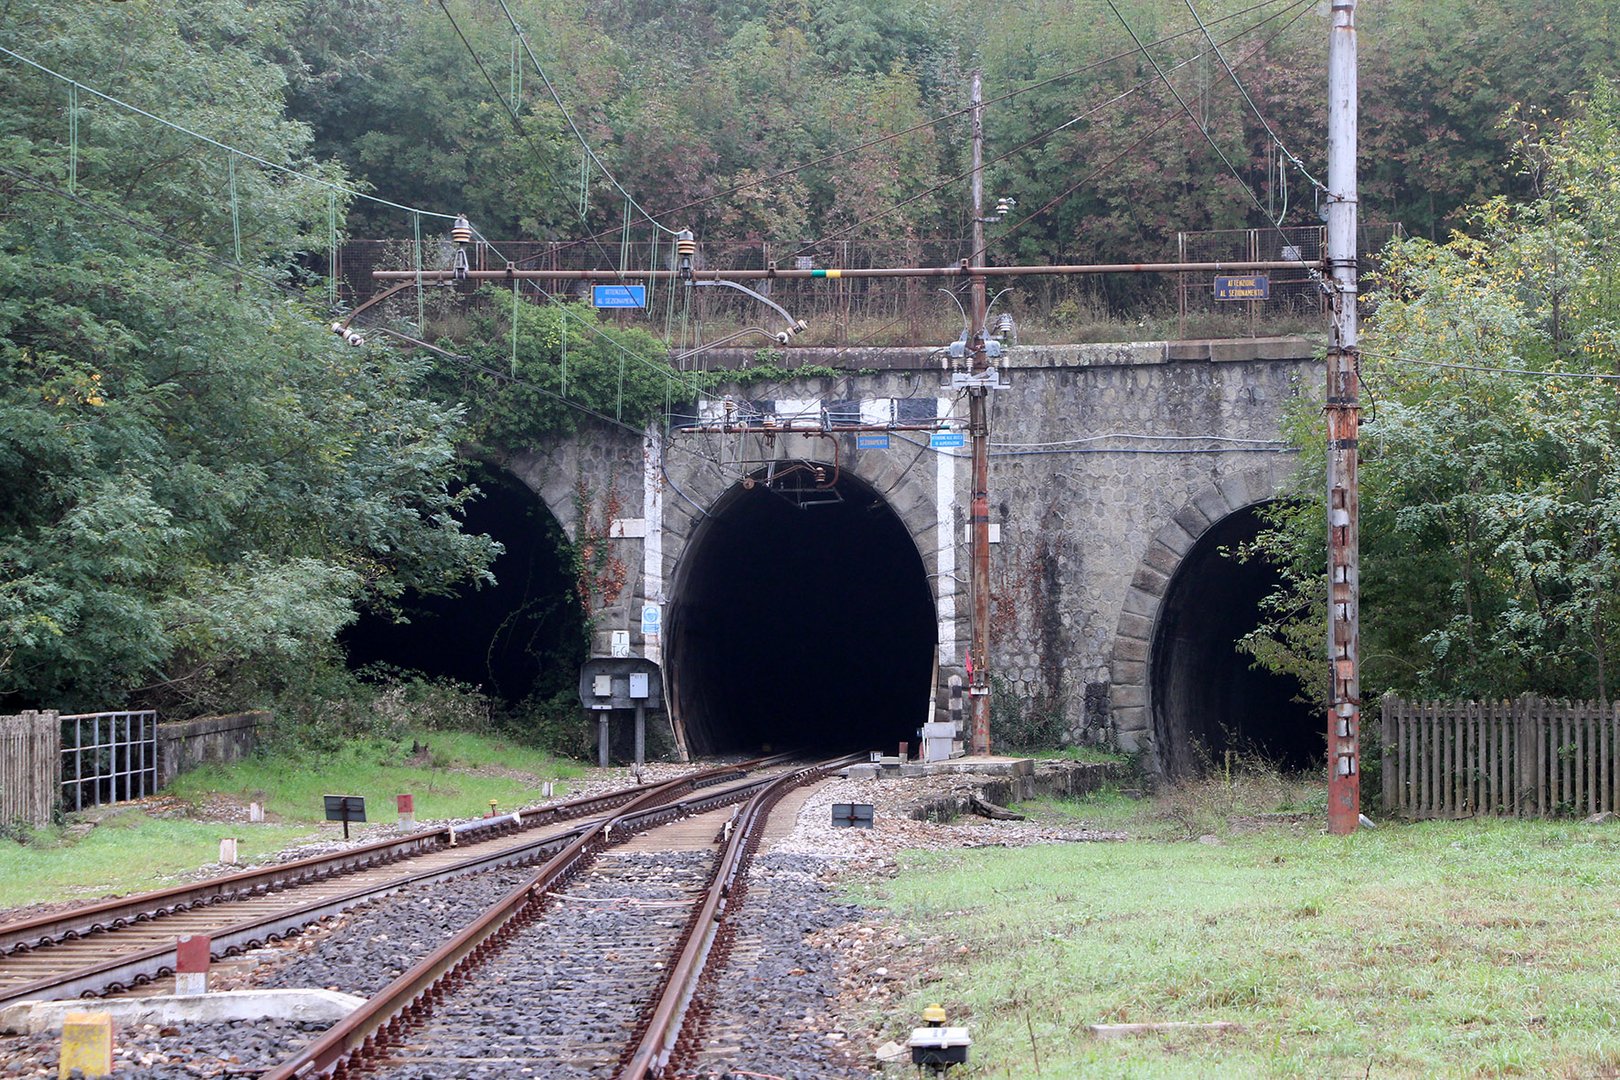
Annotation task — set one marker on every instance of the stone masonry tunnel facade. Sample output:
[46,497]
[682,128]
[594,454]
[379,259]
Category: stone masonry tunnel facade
[1109,464]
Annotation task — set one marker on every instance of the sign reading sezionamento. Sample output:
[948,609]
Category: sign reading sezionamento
[619,296]
[1252,287]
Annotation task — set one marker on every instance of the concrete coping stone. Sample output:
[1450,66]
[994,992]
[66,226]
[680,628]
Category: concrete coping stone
[306,1006]
[1090,354]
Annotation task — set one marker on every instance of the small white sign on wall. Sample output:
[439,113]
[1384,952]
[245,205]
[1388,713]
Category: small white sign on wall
[621,644]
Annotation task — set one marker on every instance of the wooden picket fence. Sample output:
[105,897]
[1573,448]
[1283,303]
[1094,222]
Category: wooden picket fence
[30,749]
[1529,757]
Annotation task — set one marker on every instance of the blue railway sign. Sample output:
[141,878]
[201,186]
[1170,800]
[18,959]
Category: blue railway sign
[871,442]
[619,296]
[945,439]
[1250,287]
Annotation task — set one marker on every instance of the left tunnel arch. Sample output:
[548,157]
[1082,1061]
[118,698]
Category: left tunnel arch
[512,638]
[802,622]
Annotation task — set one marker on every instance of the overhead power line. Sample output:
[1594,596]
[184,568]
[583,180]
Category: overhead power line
[1302,9]
[1202,129]
[584,143]
[511,111]
[1301,6]
[80,87]
[1242,90]
[943,117]
[1487,369]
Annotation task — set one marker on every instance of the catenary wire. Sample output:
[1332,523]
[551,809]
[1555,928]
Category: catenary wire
[934,121]
[523,39]
[1301,5]
[1592,376]
[511,111]
[293,292]
[287,170]
[1002,234]
[1292,157]
[1202,130]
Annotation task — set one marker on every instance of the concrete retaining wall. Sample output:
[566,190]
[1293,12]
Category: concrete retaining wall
[185,744]
[1058,780]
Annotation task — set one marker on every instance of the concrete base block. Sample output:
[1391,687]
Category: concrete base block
[863,772]
[992,765]
[309,1006]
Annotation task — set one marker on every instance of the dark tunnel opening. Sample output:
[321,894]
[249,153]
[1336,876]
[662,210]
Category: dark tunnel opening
[1207,697]
[801,620]
[522,637]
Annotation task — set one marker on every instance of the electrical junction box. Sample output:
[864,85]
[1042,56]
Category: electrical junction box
[939,1045]
[620,682]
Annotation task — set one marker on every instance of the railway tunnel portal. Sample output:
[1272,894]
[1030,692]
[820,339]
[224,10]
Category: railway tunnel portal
[1119,474]
[800,617]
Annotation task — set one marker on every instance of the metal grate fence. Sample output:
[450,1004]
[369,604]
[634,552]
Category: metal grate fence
[108,757]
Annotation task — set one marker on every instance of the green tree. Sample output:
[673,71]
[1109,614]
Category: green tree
[198,483]
[1491,501]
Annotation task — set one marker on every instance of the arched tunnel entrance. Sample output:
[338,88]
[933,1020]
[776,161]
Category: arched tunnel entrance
[522,637]
[801,618]
[1207,697]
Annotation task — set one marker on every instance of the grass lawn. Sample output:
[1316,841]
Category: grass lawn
[126,852]
[1471,948]
[455,778]
[129,851]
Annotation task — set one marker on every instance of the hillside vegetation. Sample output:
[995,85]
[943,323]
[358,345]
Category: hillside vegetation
[200,486]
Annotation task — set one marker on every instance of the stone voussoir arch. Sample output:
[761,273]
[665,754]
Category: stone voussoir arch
[1130,698]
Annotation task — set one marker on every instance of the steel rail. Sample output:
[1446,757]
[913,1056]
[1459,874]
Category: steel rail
[383,1019]
[662,1029]
[138,968]
[105,915]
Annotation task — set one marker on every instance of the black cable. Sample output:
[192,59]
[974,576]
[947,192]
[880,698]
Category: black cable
[1202,130]
[1304,7]
[1242,90]
[935,121]
[1301,5]
[196,249]
[150,230]
[517,123]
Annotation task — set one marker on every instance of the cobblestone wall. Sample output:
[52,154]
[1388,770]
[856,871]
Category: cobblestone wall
[1108,462]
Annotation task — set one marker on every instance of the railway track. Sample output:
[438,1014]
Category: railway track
[113,945]
[587,969]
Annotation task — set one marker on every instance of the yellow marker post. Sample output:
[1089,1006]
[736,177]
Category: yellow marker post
[87,1042]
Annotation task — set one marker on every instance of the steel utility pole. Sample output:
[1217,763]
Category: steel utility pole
[979,432]
[1343,423]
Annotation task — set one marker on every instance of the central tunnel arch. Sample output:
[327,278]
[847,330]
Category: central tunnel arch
[1207,696]
[801,618]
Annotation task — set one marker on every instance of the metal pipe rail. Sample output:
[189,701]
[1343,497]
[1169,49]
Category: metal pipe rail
[371,1028]
[962,270]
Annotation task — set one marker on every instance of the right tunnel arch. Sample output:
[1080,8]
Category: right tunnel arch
[1183,693]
